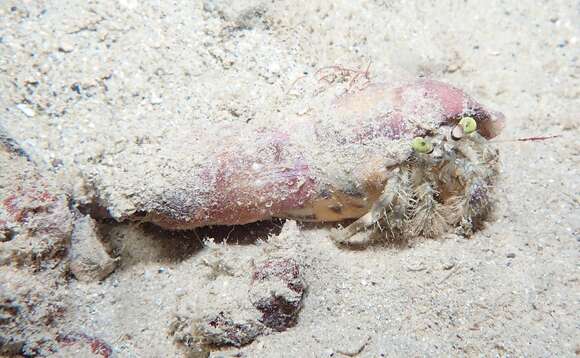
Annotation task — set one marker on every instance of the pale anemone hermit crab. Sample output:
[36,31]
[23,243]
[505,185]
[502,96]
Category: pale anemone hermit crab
[404,160]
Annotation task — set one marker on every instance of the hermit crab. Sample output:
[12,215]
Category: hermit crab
[405,160]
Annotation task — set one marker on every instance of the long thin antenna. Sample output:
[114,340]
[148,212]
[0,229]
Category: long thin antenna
[527,139]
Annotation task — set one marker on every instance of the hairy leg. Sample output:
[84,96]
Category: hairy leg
[360,232]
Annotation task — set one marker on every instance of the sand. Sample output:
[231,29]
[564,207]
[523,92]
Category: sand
[112,97]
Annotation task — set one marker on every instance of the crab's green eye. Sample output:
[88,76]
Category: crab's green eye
[468,124]
[421,145]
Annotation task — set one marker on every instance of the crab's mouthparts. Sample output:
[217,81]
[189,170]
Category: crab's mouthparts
[496,124]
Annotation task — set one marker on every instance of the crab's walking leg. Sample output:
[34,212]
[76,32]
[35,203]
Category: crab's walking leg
[348,235]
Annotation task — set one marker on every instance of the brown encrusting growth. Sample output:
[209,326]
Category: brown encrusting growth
[76,343]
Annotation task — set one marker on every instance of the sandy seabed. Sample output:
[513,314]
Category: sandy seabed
[116,93]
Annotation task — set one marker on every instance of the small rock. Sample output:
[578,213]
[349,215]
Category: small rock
[511,255]
[155,100]
[448,265]
[6,234]
[29,310]
[277,292]
[89,261]
[222,330]
[10,346]
[35,219]
[29,112]
[416,267]
[66,47]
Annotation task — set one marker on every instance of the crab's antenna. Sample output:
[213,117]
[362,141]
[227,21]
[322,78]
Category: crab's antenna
[527,139]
